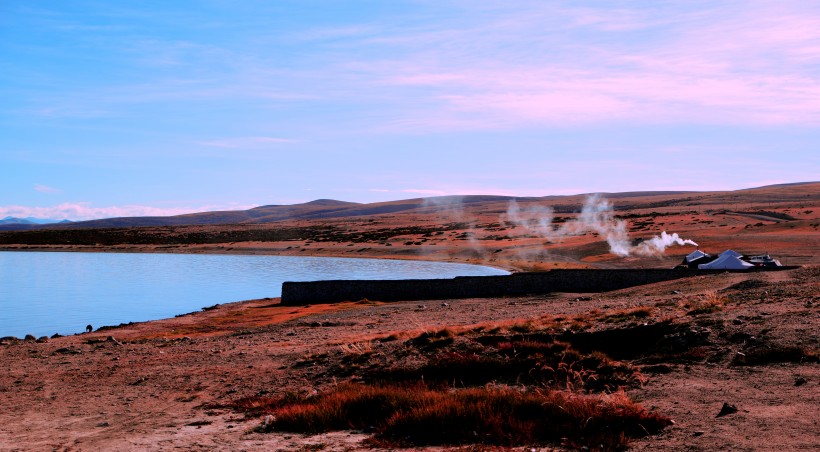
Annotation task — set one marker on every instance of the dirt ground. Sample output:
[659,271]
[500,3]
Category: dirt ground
[148,386]
[154,385]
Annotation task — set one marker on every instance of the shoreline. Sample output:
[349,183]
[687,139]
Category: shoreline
[125,321]
[224,249]
[157,382]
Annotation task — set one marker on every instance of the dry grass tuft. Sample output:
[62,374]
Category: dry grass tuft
[544,362]
[709,302]
[415,415]
[624,315]
[357,348]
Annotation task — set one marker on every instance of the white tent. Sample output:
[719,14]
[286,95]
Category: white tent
[695,255]
[726,262]
[731,253]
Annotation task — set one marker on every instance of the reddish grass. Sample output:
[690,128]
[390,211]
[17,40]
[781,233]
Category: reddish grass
[415,415]
[546,363]
[708,303]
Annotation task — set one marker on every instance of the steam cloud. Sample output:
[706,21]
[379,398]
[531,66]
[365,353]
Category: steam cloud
[656,245]
[598,216]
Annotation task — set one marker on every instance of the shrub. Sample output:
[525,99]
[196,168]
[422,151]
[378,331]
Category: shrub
[628,314]
[415,415]
[711,302]
[357,348]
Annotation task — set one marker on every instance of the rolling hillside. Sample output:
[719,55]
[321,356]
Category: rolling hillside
[328,208]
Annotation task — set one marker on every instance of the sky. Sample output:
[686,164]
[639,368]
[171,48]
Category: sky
[159,108]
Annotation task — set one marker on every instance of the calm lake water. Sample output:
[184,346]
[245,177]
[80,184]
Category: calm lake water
[43,293]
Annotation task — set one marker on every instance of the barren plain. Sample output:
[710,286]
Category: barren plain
[679,349]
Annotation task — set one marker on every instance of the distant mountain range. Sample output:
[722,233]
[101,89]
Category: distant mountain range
[30,221]
[329,208]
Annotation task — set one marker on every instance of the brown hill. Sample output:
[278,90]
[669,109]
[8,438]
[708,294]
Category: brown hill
[328,208]
[542,233]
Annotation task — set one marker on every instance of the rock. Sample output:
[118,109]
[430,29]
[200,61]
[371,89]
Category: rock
[445,305]
[112,340]
[138,381]
[657,369]
[29,338]
[56,335]
[42,339]
[800,381]
[741,337]
[726,410]
[67,351]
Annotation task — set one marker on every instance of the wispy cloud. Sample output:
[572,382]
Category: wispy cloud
[381,97]
[497,65]
[734,64]
[426,192]
[246,142]
[45,189]
[79,211]
[476,190]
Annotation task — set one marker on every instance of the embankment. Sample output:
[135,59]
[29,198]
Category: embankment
[517,284]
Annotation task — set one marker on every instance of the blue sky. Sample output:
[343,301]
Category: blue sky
[157,107]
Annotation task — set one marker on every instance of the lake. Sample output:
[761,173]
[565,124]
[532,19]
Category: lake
[43,293]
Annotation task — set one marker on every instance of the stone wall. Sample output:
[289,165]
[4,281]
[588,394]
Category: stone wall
[517,284]
[581,281]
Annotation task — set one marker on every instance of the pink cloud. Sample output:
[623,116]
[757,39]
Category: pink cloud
[727,65]
[246,142]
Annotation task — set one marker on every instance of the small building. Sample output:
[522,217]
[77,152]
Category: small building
[764,260]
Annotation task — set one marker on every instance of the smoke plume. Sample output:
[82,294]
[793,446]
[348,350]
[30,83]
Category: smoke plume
[535,220]
[451,208]
[596,216]
[658,244]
